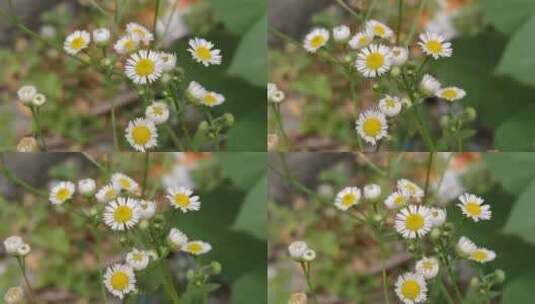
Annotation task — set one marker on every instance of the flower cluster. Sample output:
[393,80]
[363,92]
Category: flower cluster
[375,53]
[274,94]
[15,245]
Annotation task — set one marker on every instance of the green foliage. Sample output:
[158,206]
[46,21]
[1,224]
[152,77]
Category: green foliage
[507,16]
[520,290]
[253,215]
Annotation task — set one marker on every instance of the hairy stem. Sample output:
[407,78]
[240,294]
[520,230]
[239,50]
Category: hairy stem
[145,173]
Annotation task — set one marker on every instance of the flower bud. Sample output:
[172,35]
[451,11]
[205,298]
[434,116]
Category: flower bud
[474,283]
[39,100]
[435,234]
[166,78]
[396,71]
[229,119]
[500,276]
[372,191]
[470,114]
[87,186]
[203,126]
[215,268]
[444,121]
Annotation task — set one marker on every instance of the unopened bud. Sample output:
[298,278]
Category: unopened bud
[229,118]
[166,78]
[396,71]
[500,276]
[444,121]
[474,283]
[470,113]
[435,234]
[203,126]
[215,268]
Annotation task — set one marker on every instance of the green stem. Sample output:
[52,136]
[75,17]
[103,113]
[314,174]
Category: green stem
[174,138]
[114,126]
[421,129]
[355,106]
[96,235]
[373,166]
[446,292]
[280,126]
[156,12]
[15,180]
[383,272]
[168,284]
[349,9]
[400,17]
[38,131]
[449,269]
[428,174]
[415,23]
[99,8]
[22,266]
[145,173]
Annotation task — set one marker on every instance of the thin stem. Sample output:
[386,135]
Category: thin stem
[383,272]
[96,235]
[446,292]
[422,130]
[415,23]
[174,138]
[38,131]
[306,270]
[168,284]
[400,17]
[449,269]
[168,22]
[429,164]
[15,180]
[154,25]
[355,105]
[145,172]
[349,9]
[371,6]
[373,166]
[114,126]
[116,13]
[99,8]
[22,266]
[280,125]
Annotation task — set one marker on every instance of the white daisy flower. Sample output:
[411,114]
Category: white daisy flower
[139,33]
[438,216]
[430,85]
[451,93]
[378,29]
[26,94]
[196,90]
[177,239]
[390,105]
[101,36]
[147,209]
[347,198]
[277,97]
[399,55]
[372,126]
[360,40]
[143,67]
[482,255]
[465,246]
[316,39]
[168,61]
[121,182]
[413,221]
[12,244]
[410,189]
[39,100]
[61,193]
[120,280]
[126,45]
[24,250]
[297,250]
[374,60]
[396,200]
[411,288]
[14,295]
[142,134]
[197,247]
[309,255]
[121,214]
[203,52]
[372,191]
[434,45]
[106,193]
[182,198]
[341,33]
[472,206]
[137,259]
[428,267]
[212,99]
[87,186]
[76,42]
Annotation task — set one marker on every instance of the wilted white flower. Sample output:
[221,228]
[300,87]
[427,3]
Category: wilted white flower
[177,239]
[87,186]
[26,94]
[341,33]
[101,36]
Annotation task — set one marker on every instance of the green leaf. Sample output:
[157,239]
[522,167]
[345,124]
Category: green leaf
[513,170]
[518,60]
[250,288]
[244,169]
[238,15]
[249,61]
[517,133]
[313,85]
[253,214]
[521,289]
[508,15]
[520,222]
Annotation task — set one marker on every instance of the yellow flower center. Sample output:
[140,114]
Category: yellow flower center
[434,46]
[390,103]
[203,53]
[77,43]
[63,194]
[119,281]
[479,255]
[125,183]
[139,32]
[363,40]
[348,200]
[195,248]
[414,222]
[399,200]
[372,126]
[410,289]
[123,214]
[379,30]
[141,135]
[317,41]
[138,257]
[157,110]
[182,200]
[474,209]
[428,265]
[375,61]
[449,94]
[210,99]
[129,46]
[145,67]
[110,194]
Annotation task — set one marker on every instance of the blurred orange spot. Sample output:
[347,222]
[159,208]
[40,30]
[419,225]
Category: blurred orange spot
[462,160]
